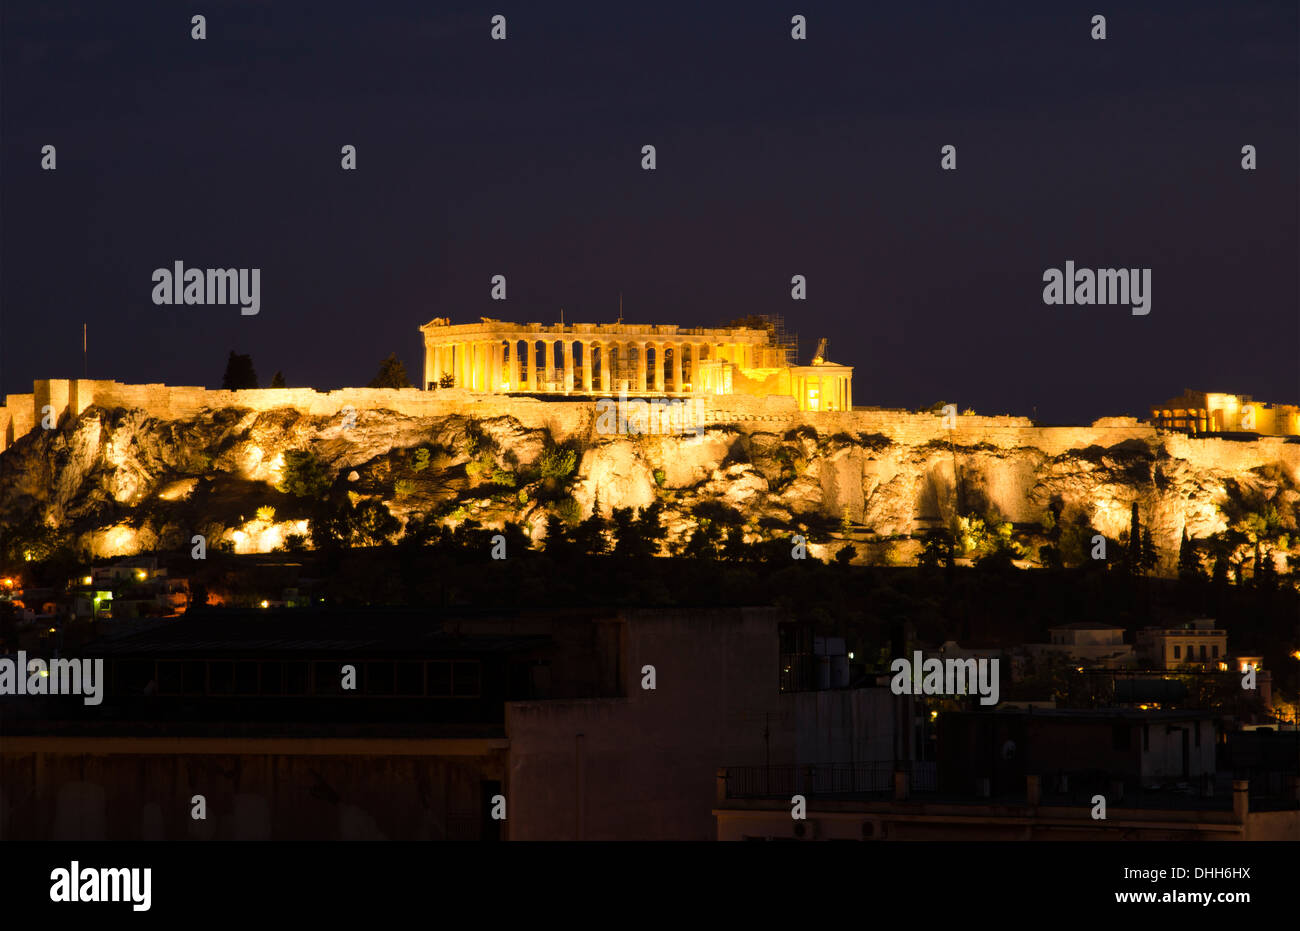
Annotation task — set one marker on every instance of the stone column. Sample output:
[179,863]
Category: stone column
[462,365]
[586,366]
[530,357]
[514,363]
[550,362]
[677,367]
[498,365]
[566,346]
[659,366]
[640,365]
[430,366]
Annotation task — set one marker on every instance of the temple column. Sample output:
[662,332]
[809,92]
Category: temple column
[530,352]
[659,366]
[498,365]
[586,366]
[430,365]
[677,368]
[462,365]
[566,347]
[550,363]
[640,365]
[514,363]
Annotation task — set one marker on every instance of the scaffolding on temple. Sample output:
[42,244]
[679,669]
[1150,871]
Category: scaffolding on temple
[783,346]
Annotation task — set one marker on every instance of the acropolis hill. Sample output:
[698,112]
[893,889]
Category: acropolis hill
[118,468]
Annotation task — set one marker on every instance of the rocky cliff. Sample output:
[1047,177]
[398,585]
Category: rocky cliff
[120,481]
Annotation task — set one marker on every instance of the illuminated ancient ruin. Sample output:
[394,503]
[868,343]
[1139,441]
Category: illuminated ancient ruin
[496,357]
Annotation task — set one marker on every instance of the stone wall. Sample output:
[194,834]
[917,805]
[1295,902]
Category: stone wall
[774,414]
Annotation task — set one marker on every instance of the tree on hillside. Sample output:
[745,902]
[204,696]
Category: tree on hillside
[277,380]
[392,374]
[1149,556]
[1189,561]
[240,373]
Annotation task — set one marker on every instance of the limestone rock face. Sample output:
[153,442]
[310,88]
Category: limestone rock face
[615,472]
[120,480]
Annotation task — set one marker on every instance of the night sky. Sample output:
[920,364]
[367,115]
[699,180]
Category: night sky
[775,157]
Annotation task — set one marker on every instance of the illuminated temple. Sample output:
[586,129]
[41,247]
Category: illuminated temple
[1198,412]
[496,357]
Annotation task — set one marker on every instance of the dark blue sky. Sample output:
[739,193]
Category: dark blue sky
[775,158]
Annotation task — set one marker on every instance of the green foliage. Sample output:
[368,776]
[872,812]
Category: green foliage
[392,374]
[972,536]
[266,513]
[31,543]
[558,462]
[704,541]
[303,475]
[482,464]
[590,536]
[503,477]
[641,535]
[969,534]
[345,524]
[567,509]
[936,550]
[1075,545]
[447,381]
[421,460]
[660,477]
[792,463]
[404,486]
[559,539]
[372,524]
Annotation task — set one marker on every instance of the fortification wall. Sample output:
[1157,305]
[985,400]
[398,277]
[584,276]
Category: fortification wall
[773,414]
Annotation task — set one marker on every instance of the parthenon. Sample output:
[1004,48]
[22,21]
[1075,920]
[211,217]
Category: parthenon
[497,357]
